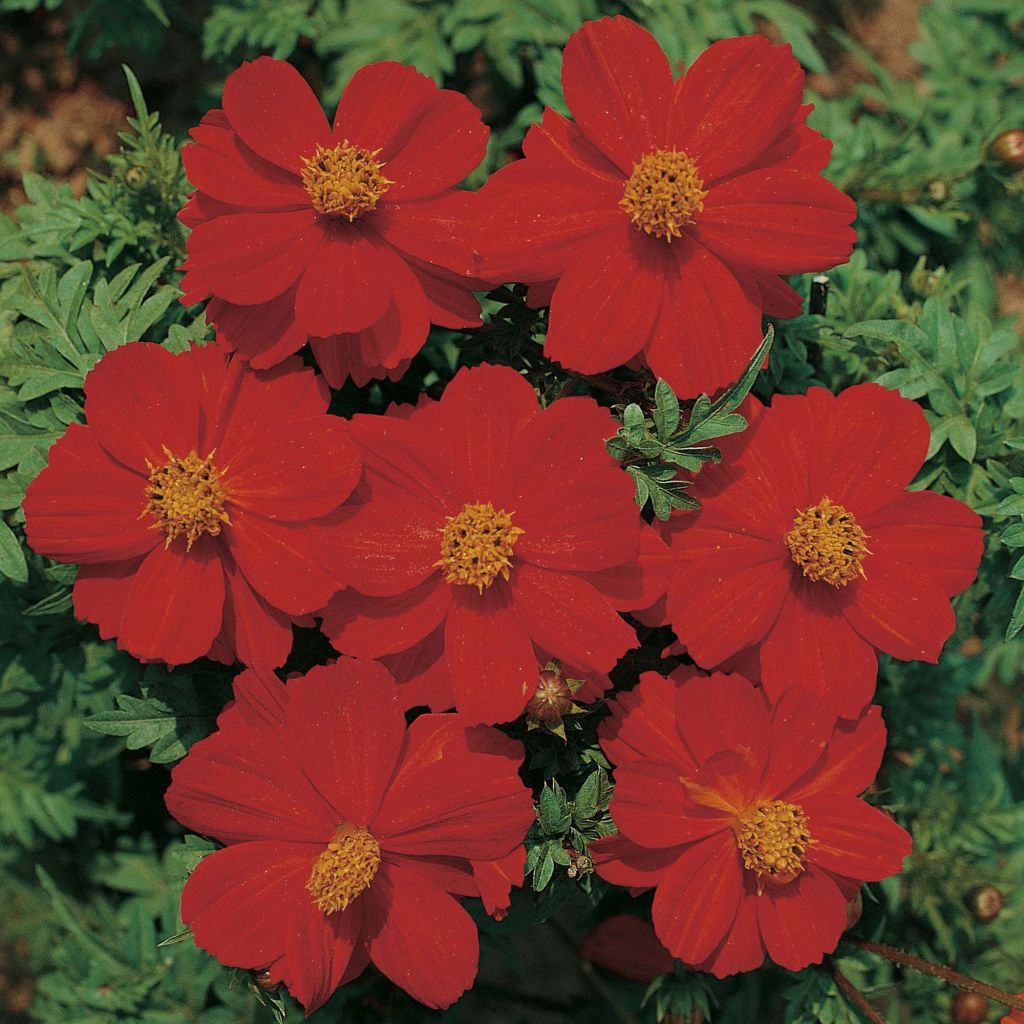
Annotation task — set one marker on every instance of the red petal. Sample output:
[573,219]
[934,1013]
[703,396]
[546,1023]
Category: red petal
[622,862]
[650,807]
[641,582]
[707,328]
[708,876]
[243,782]
[869,443]
[101,593]
[450,298]
[802,921]
[559,141]
[495,880]
[237,900]
[253,257]
[451,796]
[281,562]
[84,507]
[852,758]
[275,112]
[389,548]
[429,138]
[735,100]
[140,399]
[481,412]
[255,633]
[642,725]
[534,219]
[371,627]
[490,658]
[854,839]
[577,513]
[264,333]
[718,712]
[347,727]
[743,578]
[265,475]
[420,937]
[785,221]
[910,622]
[175,604]
[608,301]
[801,729]
[921,533]
[438,230]
[568,617]
[742,949]
[812,645]
[618,85]
[221,166]
[321,952]
[349,285]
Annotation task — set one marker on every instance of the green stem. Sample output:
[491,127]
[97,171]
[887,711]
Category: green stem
[947,974]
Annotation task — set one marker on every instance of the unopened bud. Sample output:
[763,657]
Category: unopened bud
[262,980]
[968,1008]
[985,902]
[1008,148]
[853,911]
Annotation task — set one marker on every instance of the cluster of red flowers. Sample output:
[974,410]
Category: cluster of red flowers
[465,549]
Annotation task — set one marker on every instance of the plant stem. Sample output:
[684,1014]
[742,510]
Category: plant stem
[856,997]
[947,974]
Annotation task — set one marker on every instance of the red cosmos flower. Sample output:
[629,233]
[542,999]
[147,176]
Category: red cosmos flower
[1014,1016]
[348,835]
[507,525]
[809,548]
[743,814]
[188,500]
[660,220]
[345,235]
[626,945]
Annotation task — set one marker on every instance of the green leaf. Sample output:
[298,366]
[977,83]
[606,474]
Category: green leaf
[12,558]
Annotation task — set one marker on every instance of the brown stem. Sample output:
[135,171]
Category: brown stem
[856,997]
[947,974]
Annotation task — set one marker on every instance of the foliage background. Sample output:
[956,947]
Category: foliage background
[91,867]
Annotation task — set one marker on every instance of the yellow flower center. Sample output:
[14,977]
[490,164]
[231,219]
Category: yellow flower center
[476,546]
[773,838]
[344,181]
[186,497]
[827,544]
[345,869]
[663,193]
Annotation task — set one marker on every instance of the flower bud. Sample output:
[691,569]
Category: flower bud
[1008,148]
[985,902]
[853,911]
[968,1008]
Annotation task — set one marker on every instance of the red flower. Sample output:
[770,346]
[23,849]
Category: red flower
[347,835]
[508,526]
[1014,1016]
[664,215]
[810,548]
[348,236]
[626,945]
[188,500]
[743,814]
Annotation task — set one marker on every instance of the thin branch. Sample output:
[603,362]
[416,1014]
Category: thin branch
[855,996]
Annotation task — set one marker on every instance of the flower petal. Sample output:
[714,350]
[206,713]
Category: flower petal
[175,604]
[275,112]
[429,138]
[642,725]
[452,795]
[253,257]
[854,839]
[347,728]
[802,921]
[618,85]
[256,633]
[852,758]
[789,222]
[348,287]
[709,876]
[568,617]
[84,507]
[420,937]
[734,101]
[622,862]
[490,658]
[742,948]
